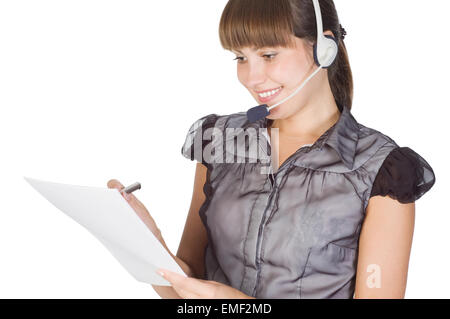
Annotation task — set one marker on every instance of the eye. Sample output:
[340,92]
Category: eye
[270,56]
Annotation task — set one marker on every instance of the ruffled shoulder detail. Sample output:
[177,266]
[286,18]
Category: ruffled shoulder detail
[404,176]
[194,143]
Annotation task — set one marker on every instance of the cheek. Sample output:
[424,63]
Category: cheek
[295,72]
[240,75]
[293,69]
[286,74]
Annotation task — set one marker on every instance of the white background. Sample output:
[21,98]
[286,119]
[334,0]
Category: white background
[94,90]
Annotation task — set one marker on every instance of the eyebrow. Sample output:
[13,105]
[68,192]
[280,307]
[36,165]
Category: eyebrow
[255,50]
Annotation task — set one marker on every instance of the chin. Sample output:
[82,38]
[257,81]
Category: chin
[275,113]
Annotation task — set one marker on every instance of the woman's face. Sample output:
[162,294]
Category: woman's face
[278,71]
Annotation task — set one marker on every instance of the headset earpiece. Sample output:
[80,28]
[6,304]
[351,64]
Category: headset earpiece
[329,50]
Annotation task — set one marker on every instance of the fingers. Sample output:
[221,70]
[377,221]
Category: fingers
[185,294]
[186,287]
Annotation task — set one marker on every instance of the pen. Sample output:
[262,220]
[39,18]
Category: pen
[131,188]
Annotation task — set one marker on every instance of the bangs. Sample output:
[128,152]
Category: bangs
[256,24]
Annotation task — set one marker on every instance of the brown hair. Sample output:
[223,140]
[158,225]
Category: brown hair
[271,23]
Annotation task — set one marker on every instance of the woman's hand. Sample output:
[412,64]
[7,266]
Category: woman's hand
[138,207]
[192,288]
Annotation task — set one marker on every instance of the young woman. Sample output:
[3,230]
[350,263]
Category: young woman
[335,216]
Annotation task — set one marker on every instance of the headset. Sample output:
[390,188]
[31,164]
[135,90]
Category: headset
[325,53]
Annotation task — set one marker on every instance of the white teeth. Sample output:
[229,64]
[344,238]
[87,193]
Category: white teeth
[267,94]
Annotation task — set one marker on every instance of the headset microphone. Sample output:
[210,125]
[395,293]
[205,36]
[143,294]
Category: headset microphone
[325,52]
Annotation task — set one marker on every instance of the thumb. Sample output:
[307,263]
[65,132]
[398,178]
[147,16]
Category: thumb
[134,202]
[114,183]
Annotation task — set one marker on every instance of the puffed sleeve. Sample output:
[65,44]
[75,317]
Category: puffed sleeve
[404,176]
[194,143]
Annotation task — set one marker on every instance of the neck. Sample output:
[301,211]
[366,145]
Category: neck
[312,120]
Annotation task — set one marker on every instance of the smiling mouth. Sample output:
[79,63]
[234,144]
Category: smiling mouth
[269,95]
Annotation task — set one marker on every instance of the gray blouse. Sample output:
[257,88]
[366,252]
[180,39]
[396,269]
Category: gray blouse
[294,233]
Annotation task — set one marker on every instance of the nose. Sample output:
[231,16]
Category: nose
[255,75]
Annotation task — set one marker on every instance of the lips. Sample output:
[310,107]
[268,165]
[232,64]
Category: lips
[269,90]
[269,98]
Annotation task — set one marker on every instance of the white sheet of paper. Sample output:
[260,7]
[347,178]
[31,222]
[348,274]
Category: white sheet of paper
[109,217]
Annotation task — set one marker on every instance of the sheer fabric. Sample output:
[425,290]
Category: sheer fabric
[404,176]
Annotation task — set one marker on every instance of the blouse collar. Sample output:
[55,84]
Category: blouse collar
[342,136]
